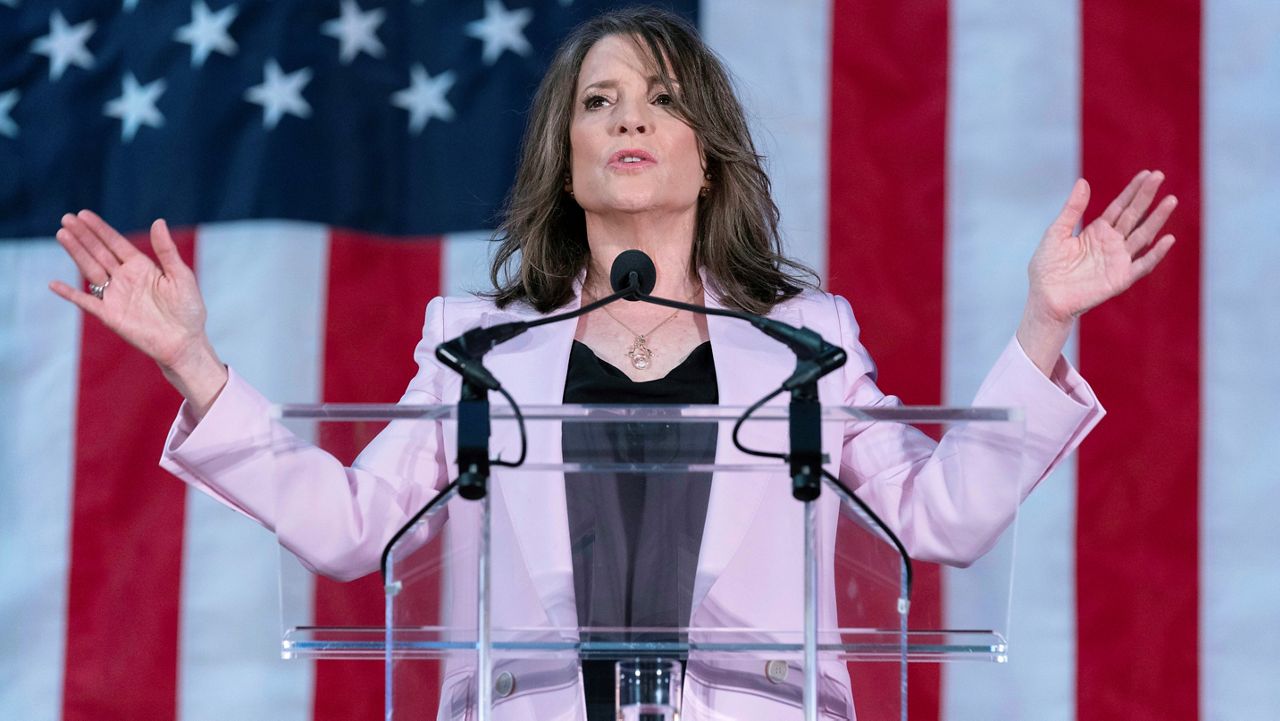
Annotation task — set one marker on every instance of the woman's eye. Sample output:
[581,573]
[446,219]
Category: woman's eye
[595,101]
[663,99]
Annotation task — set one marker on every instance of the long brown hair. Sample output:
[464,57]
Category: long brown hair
[543,238]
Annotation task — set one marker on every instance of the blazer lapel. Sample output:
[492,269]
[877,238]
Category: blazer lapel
[748,366]
[532,368]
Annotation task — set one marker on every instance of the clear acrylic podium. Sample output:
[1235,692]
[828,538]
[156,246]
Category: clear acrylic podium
[777,609]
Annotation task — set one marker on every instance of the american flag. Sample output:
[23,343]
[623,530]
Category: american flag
[330,166]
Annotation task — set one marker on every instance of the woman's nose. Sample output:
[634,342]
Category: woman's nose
[633,117]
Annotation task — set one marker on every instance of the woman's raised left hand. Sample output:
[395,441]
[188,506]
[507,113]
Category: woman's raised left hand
[1071,273]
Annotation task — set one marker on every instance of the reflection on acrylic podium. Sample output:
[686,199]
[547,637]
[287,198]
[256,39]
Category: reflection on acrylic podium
[643,533]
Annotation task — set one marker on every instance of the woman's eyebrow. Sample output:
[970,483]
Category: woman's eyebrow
[602,85]
[613,84]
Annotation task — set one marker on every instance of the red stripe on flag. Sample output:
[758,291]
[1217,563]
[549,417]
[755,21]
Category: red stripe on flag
[378,292]
[1137,519]
[126,535]
[887,221]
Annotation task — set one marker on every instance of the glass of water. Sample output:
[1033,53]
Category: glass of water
[649,689]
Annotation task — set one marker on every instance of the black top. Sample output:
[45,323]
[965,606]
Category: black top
[635,536]
[591,380]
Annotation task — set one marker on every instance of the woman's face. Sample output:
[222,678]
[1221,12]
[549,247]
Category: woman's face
[629,152]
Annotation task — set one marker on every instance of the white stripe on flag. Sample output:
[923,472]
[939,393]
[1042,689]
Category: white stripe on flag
[781,61]
[1013,152]
[1240,483]
[264,284]
[464,262]
[39,363]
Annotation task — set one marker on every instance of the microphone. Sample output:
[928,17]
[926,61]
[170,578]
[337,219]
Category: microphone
[633,271]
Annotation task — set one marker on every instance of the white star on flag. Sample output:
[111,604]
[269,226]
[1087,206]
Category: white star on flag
[501,30]
[129,5]
[280,93]
[136,106]
[8,99]
[425,97]
[356,31]
[207,32]
[64,45]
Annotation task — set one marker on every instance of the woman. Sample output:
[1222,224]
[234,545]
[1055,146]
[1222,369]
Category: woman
[635,141]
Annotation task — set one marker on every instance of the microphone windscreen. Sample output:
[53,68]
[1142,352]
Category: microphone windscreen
[633,261]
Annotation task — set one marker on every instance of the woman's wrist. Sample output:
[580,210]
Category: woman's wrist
[199,375]
[1043,335]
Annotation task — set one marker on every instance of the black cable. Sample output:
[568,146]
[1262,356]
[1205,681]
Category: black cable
[386,550]
[524,440]
[893,537]
[515,409]
[524,448]
[737,426]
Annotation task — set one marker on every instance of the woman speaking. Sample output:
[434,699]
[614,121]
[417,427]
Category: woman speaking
[635,141]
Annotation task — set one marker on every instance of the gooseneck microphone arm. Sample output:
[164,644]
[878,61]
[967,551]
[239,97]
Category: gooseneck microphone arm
[815,358]
[463,354]
[633,278]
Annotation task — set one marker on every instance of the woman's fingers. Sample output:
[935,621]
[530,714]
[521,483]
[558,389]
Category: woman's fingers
[82,300]
[1073,208]
[118,244]
[1112,214]
[1141,201]
[166,250]
[1148,262]
[105,262]
[1141,236]
[88,265]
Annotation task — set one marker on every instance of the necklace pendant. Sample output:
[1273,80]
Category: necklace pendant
[640,353]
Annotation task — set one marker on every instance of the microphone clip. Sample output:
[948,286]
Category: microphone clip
[463,355]
[805,453]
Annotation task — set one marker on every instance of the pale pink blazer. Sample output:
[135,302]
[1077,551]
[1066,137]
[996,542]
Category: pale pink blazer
[948,501]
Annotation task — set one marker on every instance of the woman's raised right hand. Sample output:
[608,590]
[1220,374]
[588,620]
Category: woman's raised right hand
[155,308]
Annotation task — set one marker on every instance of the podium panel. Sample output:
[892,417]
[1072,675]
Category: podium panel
[645,532]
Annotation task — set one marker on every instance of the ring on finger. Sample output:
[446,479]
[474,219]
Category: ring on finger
[98,290]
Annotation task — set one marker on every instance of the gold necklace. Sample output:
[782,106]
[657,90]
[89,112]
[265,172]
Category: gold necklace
[640,354]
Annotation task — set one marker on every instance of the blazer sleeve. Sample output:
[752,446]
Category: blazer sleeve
[335,519]
[948,501]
